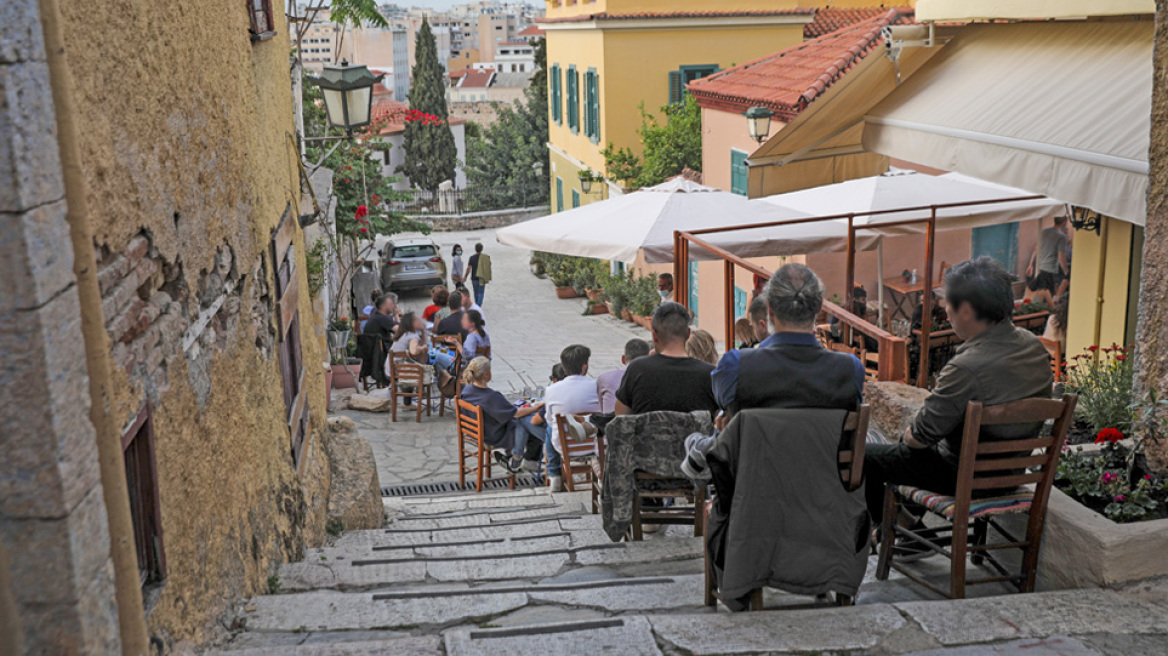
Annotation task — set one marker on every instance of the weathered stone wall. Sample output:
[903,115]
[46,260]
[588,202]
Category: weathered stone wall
[58,581]
[481,220]
[1152,329]
[186,150]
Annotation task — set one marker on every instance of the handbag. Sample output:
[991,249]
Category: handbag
[447,383]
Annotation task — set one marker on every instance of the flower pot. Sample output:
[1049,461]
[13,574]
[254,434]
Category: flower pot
[608,304]
[566,292]
[594,294]
[626,315]
[598,308]
[345,375]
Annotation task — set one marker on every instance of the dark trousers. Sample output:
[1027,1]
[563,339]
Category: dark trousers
[900,464]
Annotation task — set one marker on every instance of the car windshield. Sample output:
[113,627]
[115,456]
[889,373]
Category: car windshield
[421,250]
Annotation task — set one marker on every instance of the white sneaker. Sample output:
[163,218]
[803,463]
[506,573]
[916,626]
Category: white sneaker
[530,466]
[556,483]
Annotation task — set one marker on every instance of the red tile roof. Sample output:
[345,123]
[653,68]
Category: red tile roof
[476,78]
[789,80]
[532,30]
[397,123]
[604,15]
[830,19]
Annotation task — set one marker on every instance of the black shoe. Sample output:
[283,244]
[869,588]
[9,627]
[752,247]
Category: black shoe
[510,464]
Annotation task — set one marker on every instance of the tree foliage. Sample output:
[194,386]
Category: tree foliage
[430,152]
[505,154]
[668,147]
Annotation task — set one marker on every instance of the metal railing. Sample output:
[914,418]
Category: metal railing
[471,199]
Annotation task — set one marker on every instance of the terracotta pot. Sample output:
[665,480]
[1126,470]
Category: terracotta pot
[566,292]
[638,319]
[345,375]
[599,308]
[626,315]
[594,294]
[608,304]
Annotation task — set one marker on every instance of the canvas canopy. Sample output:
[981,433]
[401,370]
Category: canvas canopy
[618,228]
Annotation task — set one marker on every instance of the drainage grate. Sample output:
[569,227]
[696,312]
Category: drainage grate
[427,489]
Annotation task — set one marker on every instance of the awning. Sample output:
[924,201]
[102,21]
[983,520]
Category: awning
[1061,109]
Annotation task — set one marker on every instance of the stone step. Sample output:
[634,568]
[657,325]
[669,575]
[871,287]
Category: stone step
[348,643]
[486,500]
[507,526]
[491,517]
[435,606]
[628,636]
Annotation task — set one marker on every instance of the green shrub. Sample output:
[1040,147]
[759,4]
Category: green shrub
[616,291]
[643,298]
[1102,378]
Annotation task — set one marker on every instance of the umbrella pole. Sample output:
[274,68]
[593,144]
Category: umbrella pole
[927,301]
[880,280]
[729,282]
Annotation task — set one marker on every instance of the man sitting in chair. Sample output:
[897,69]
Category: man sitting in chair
[790,368]
[997,363]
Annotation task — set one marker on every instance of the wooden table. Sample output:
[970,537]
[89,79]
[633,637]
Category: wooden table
[902,292]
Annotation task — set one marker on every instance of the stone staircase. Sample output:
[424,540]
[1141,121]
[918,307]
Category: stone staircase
[527,572]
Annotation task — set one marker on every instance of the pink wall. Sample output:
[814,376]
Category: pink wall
[721,132]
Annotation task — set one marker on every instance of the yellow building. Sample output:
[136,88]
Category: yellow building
[606,58]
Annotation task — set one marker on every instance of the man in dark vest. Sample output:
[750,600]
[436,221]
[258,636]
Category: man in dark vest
[789,369]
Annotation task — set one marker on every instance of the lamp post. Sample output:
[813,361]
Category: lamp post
[348,97]
[758,122]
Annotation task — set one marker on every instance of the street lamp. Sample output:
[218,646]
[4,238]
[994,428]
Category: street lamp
[348,95]
[758,121]
[586,185]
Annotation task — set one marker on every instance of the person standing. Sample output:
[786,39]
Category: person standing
[665,287]
[1050,256]
[457,269]
[479,272]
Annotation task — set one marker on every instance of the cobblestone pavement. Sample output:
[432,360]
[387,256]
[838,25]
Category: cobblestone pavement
[528,327]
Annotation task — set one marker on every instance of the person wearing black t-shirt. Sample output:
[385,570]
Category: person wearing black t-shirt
[452,325]
[668,379]
[382,322]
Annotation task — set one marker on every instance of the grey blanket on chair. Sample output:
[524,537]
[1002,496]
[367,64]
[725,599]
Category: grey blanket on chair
[654,443]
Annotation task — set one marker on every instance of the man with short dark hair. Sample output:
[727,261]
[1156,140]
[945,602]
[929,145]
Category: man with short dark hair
[757,313]
[665,287]
[669,379]
[575,394]
[382,322]
[452,325]
[996,363]
[609,382]
[790,368]
[478,270]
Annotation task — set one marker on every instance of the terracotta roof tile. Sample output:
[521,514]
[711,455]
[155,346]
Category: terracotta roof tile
[604,15]
[384,107]
[787,81]
[476,78]
[830,19]
[531,30]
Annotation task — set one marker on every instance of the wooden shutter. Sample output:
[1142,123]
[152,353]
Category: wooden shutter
[556,94]
[573,100]
[575,198]
[145,504]
[676,88]
[559,195]
[592,106]
[738,172]
[292,370]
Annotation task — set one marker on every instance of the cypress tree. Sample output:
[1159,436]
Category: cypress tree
[430,153]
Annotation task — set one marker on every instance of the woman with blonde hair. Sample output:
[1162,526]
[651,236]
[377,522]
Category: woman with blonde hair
[744,333]
[700,346]
[505,426]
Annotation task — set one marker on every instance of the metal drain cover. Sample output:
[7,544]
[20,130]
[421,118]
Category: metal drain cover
[450,487]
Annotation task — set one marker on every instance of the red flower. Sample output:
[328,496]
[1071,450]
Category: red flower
[1121,357]
[1091,348]
[1108,436]
[362,212]
[362,230]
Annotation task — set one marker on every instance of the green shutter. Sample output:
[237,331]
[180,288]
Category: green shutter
[738,172]
[676,89]
[573,99]
[559,195]
[556,95]
[592,106]
[575,198]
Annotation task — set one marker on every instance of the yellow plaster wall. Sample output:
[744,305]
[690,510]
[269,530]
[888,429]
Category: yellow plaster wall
[584,49]
[185,136]
[963,10]
[564,8]
[1090,255]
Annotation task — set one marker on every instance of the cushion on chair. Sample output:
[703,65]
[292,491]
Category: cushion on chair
[940,504]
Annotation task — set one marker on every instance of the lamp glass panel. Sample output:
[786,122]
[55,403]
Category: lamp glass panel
[334,106]
[359,105]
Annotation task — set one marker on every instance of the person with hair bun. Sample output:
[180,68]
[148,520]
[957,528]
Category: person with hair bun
[507,429]
[790,368]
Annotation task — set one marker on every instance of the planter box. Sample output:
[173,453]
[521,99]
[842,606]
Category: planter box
[566,292]
[593,294]
[345,375]
[598,308]
[626,315]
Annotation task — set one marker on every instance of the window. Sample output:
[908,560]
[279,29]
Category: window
[740,303]
[421,250]
[292,369]
[738,173]
[556,94]
[575,198]
[263,27]
[559,194]
[683,76]
[693,291]
[592,105]
[573,99]
[142,485]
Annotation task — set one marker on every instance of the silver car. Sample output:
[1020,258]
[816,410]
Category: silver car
[411,262]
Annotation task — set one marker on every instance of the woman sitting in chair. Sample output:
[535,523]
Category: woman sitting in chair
[410,339]
[476,341]
[505,427]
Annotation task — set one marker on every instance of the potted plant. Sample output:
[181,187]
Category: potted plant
[562,275]
[345,369]
[644,300]
[588,177]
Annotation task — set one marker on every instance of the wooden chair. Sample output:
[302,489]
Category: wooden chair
[1056,357]
[471,445]
[578,451]
[457,387]
[671,515]
[407,380]
[991,465]
[851,471]
[484,351]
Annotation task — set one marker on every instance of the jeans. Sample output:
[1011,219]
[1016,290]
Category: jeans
[555,466]
[444,361]
[901,464]
[529,438]
[479,290]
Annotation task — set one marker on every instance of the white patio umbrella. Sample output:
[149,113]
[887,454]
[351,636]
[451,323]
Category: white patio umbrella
[618,228]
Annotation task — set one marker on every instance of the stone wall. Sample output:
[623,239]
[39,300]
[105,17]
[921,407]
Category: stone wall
[481,220]
[53,525]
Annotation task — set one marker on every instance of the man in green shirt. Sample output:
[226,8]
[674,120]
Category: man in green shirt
[997,363]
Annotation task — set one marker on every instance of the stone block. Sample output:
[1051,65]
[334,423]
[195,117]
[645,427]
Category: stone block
[629,636]
[30,166]
[331,611]
[50,453]
[369,403]
[36,259]
[110,272]
[355,493]
[21,38]
[672,593]
[136,249]
[893,406]
[341,644]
